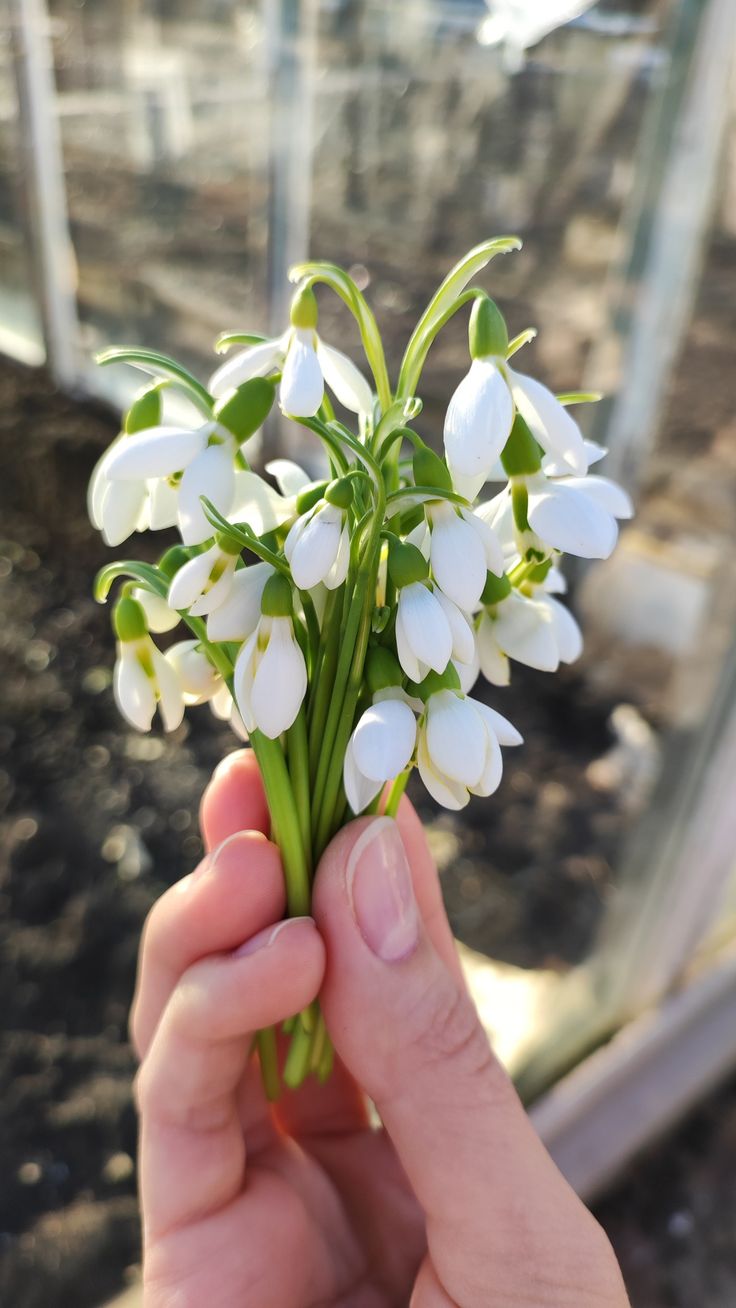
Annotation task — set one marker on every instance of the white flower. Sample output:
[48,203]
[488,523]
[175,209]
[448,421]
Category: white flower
[226,710]
[424,637]
[204,457]
[307,364]
[577,514]
[458,751]
[318,547]
[380,747]
[116,510]
[205,581]
[236,618]
[199,681]
[270,678]
[159,617]
[463,549]
[477,425]
[549,422]
[538,631]
[143,679]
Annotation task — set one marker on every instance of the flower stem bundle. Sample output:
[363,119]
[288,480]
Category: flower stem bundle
[341,623]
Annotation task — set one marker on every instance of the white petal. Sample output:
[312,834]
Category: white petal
[478,423]
[214,595]
[567,632]
[425,626]
[188,583]
[458,558]
[504,731]
[258,504]
[345,380]
[569,520]
[493,662]
[339,570]
[134,692]
[170,697]
[450,794]
[155,452]
[198,679]
[314,546]
[221,703]
[211,474]
[491,544]
[159,617]
[163,503]
[256,361]
[359,790]
[238,615]
[492,767]
[302,385]
[555,583]
[554,467]
[289,477]
[608,494]
[123,506]
[463,639]
[280,681]
[524,630]
[455,737]
[98,484]
[384,739]
[243,675]
[549,422]
[406,656]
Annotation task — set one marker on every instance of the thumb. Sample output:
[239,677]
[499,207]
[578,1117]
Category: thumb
[406,1028]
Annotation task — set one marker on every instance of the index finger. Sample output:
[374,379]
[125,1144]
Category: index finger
[234,800]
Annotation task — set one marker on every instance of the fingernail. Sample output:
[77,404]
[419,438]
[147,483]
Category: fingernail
[267,936]
[381,893]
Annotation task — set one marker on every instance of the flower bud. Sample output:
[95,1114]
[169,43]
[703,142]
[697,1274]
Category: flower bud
[487,332]
[406,564]
[382,669]
[310,495]
[129,620]
[495,589]
[521,454]
[340,492]
[276,601]
[431,470]
[145,411]
[244,410]
[304,312]
[435,682]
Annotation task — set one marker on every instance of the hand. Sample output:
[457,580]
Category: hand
[453,1202]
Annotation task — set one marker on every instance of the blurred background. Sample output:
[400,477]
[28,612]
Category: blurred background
[163,162]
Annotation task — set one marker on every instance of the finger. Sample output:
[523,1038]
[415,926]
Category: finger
[406,1028]
[234,800]
[427,889]
[192,1157]
[234,893]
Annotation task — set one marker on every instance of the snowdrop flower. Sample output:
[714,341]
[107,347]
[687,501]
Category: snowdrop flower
[205,581]
[577,514]
[318,544]
[463,549]
[159,617]
[143,679]
[236,617]
[307,364]
[532,629]
[199,681]
[459,747]
[270,676]
[380,747]
[481,412]
[430,628]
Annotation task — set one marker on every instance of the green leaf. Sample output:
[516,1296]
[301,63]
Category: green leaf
[226,339]
[343,285]
[401,500]
[441,303]
[241,532]
[147,576]
[523,338]
[160,365]
[580,397]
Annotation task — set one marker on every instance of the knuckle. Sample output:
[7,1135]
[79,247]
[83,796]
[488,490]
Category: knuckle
[445,1029]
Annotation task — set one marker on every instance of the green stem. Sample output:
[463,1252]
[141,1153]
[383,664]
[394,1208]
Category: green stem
[299,772]
[296,1067]
[395,793]
[285,822]
[269,1060]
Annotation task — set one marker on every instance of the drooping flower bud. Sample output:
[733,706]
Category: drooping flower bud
[487,333]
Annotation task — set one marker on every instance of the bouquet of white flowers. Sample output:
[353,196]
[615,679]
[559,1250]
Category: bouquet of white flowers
[341,624]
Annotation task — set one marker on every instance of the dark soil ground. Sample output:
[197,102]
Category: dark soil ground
[97,821]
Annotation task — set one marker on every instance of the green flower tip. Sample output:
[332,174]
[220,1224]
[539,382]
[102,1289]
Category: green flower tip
[310,495]
[431,470]
[487,331]
[406,564]
[145,411]
[174,559]
[276,601]
[340,492]
[245,409]
[495,589]
[128,619]
[434,682]
[521,454]
[382,669]
[304,311]
[228,544]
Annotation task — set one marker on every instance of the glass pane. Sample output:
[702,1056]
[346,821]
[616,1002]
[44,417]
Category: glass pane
[20,326]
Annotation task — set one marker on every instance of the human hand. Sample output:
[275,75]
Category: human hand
[453,1202]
